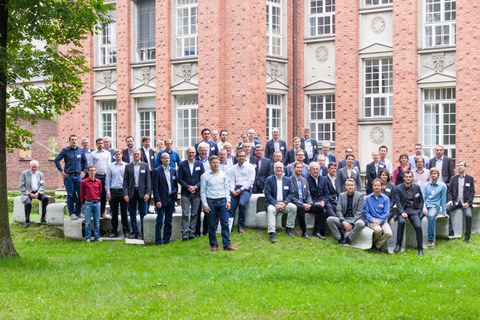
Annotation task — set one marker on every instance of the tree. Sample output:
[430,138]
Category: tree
[39,39]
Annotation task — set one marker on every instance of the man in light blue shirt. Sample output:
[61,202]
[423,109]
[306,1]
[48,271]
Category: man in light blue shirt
[435,199]
[376,211]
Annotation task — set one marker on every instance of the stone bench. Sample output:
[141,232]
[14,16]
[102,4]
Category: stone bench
[56,213]
[456,217]
[364,240]
[149,227]
[392,242]
[475,219]
[19,208]
[74,229]
[255,205]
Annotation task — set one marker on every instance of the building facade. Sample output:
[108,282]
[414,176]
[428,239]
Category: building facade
[360,73]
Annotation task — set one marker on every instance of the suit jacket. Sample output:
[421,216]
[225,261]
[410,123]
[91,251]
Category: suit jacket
[342,176]
[185,178]
[371,175]
[290,157]
[448,168]
[468,190]
[261,174]
[343,164]
[319,192]
[270,149]
[213,149]
[270,191]
[144,180]
[357,206]
[401,199]
[307,198]
[26,183]
[160,185]
[314,149]
[332,194]
[331,158]
[389,191]
[323,171]
[125,156]
[151,156]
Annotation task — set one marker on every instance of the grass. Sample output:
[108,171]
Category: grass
[60,279]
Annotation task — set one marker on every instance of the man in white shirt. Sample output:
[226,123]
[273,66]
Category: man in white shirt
[101,160]
[32,186]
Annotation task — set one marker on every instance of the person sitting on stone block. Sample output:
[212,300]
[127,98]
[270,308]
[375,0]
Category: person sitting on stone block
[32,186]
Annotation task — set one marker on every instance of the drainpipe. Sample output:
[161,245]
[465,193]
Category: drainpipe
[294,61]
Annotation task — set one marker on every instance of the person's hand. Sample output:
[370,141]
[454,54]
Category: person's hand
[158,204]
[449,203]
[466,205]
[82,174]
[64,174]
[206,209]
[347,226]
[405,215]
[125,198]
[228,205]
[109,197]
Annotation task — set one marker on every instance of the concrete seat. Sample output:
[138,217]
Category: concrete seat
[411,237]
[255,204]
[262,223]
[392,242]
[18,210]
[149,222]
[441,225]
[475,219]
[456,217]
[364,240]
[73,229]
[40,206]
[56,213]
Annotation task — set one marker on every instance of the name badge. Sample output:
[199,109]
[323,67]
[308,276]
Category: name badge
[255,165]
[433,192]
[282,148]
[354,171]
[285,188]
[380,205]
[78,156]
[152,157]
[388,189]
[142,171]
[174,177]
[197,169]
[417,195]
[467,184]
[212,148]
[41,181]
[304,187]
[381,166]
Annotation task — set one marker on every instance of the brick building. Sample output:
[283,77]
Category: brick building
[359,73]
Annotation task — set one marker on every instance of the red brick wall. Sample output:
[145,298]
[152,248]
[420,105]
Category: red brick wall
[301,123]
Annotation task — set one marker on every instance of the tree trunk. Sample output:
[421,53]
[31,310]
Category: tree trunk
[7,249]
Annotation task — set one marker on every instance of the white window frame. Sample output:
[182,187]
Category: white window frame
[145,52]
[108,109]
[145,106]
[274,34]
[107,42]
[186,29]
[186,128]
[321,116]
[439,104]
[439,23]
[376,3]
[322,21]
[275,114]
[378,87]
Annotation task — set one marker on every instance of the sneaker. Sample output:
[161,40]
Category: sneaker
[430,244]
[73,216]
[340,242]
[305,236]
[98,240]
[81,216]
[106,216]
[88,241]
[347,241]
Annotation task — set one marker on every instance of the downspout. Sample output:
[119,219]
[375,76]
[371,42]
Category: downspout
[294,43]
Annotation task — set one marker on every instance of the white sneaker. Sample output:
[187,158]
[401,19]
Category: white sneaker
[74,217]
[88,240]
[106,216]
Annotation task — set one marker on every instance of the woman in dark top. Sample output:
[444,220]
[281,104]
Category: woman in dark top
[388,188]
[400,170]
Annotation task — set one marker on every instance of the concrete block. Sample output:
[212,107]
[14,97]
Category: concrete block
[255,205]
[475,219]
[56,213]
[392,242]
[73,229]
[261,220]
[18,210]
[149,227]
[411,236]
[40,206]
[364,240]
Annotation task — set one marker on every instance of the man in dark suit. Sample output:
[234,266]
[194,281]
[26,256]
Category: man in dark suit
[263,169]
[275,144]
[323,170]
[460,195]
[329,158]
[137,185]
[279,203]
[127,154]
[309,145]
[207,136]
[409,200]
[32,186]
[332,193]
[165,194]
[148,154]
[189,173]
[444,164]
[343,162]
[349,215]
[290,156]
[318,191]
[372,171]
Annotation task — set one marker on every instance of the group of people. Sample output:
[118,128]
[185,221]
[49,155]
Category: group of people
[217,180]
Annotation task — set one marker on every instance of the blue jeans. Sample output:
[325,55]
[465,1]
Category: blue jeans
[133,204]
[72,185]
[432,213]
[165,211]
[218,211]
[92,209]
[241,201]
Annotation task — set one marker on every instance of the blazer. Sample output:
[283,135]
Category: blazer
[125,156]
[357,206]
[261,174]
[323,171]
[342,176]
[270,149]
[185,178]
[151,156]
[26,183]
[401,199]
[331,158]
[160,185]
[307,198]
[213,151]
[332,193]
[144,180]
[343,164]
[448,168]
[290,157]
[468,190]
[319,192]
[270,191]
[314,148]
[389,191]
[371,175]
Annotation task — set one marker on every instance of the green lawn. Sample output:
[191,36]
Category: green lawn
[295,278]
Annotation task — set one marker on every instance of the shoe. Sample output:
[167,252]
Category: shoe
[204,233]
[88,241]
[347,241]
[126,235]
[27,224]
[113,235]
[340,242]
[214,249]
[133,236]
[467,239]
[451,233]
[397,249]
[318,235]
[230,248]
[106,216]
[191,237]
[43,221]
[98,240]
[305,236]
[81,216]
[430,244]
[420,252]
[184,239]
[241,230]
[73,216]
[289,232]
[273,237]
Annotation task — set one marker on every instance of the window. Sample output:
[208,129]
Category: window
[187,123]
[377,2]
[322,117]
[186,34]
[274,114]
[145,30]
[108,120]
[146,119]
[274,27]
[439,120]
[378,88]
[322,17]
[107,42]
[439,23]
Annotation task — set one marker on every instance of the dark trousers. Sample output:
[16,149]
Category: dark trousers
[134,204]
[468,217]
[28,206]
[103,196]
[218,212]
[414,217]
[116,196]
[320,219]
[166,211]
